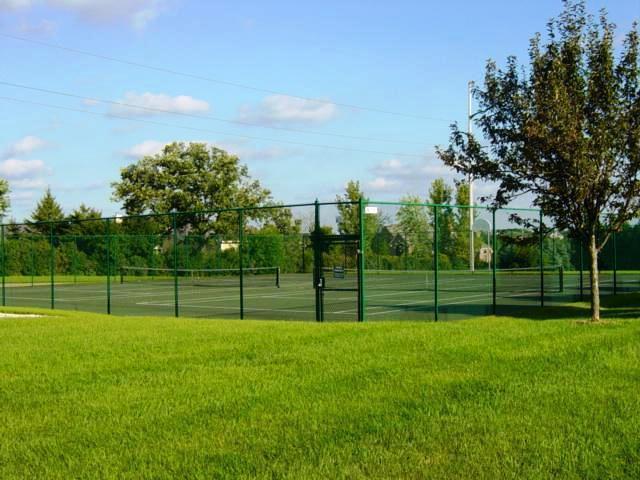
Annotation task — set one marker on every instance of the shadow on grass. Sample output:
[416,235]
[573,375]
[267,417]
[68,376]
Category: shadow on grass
[620,306]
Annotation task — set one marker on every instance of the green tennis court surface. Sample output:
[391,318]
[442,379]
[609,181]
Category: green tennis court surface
[389,295]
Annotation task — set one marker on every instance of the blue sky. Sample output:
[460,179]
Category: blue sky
[410,57]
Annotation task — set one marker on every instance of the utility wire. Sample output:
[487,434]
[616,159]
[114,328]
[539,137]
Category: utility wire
[203,117]
[216,80]
[203,130]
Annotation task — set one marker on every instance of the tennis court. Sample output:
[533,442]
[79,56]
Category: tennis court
[269,294]
[350,261]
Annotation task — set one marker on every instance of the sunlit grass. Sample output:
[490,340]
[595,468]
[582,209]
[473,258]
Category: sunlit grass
[92,396]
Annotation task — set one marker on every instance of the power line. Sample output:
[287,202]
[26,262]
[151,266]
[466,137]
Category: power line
[203,130]
[218,81]
[203,117]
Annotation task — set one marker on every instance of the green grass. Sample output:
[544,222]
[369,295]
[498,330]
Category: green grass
[91,396]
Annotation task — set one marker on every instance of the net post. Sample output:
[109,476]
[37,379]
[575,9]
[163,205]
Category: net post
[436,253]
[615,264]
[561,274]
[52,266]
[278,277]
[4,268]
[541,261]
[361,261]
[241,259]
[176,305]
[108,239]
[494,262]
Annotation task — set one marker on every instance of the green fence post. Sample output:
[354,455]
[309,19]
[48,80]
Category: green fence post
[361,262]
[541,262]
[175,265]
[108,239]
[33,260]
[74,259]
[436,253]
[615,264]
[494,262]
[317,262]
[52,266]
[4,268]
[581,270]
[241,259]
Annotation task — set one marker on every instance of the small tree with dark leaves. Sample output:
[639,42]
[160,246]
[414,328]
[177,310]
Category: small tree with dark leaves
[565,130]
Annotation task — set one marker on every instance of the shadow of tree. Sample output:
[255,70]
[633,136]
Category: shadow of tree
[620,306]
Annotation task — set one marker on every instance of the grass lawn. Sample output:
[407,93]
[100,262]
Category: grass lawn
[92,396]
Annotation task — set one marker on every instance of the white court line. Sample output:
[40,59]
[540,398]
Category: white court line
[230,308]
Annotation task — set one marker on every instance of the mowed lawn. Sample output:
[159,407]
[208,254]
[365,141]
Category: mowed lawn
[92,396]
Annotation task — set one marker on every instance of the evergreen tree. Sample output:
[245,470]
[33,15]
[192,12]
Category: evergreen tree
[47,210]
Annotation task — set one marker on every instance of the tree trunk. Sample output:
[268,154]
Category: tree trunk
[595,284]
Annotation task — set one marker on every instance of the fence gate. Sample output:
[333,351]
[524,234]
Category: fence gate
[337,277]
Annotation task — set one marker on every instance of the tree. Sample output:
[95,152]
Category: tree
[442,194]
[85,220]
[416,230]
[191,177]
[4,197]
[47,210]
[348,214]
[566,130]
[462,224]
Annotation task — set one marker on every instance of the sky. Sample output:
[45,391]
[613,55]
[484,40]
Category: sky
[242,75]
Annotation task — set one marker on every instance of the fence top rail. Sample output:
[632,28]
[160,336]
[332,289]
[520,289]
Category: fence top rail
[449,205]
[68,221]
[120,218]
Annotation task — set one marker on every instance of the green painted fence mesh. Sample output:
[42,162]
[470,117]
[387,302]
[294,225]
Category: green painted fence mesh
[335,261]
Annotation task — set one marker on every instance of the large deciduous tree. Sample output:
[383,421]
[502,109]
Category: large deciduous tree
[193,177]
[565,129]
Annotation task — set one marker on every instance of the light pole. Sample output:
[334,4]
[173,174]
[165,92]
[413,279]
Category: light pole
[470,86]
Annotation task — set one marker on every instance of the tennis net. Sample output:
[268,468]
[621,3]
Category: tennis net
[215,277]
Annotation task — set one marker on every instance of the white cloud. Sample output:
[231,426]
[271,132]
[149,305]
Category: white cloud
[136,13]
[148,147]
[157,104]
[29,184]
[23,195]
[381,184]
[24,146]
[15,168]
[246,151]
[241,148]
[395,178]
[400,177]
[15,4]
[284,110]
[44,28]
